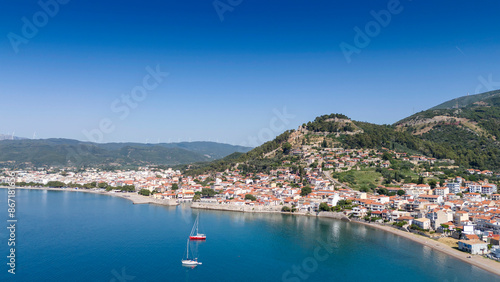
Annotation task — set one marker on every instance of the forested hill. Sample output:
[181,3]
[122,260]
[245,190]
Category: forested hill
[469,127]
[468,134]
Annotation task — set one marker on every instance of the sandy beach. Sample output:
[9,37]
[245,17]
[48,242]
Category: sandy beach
[134,197]
[476,260]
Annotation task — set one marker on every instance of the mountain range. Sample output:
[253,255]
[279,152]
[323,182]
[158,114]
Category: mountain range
[68,152]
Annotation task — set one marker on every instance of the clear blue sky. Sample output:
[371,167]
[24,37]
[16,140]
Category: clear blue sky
[227,76]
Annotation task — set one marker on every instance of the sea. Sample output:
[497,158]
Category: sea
[77,236]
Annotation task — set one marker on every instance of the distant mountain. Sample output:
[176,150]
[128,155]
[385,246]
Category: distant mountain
[68,152]
[211,150]
[10,137]
[467,100]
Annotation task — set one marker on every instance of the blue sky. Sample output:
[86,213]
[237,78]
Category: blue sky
[228,78]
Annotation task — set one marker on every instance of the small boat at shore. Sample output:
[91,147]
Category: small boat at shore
[195,235]
[190,262]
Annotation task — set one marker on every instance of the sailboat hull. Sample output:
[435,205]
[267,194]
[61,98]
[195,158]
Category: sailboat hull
[190,262]
[197,237]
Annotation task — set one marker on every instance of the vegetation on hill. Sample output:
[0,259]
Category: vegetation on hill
[468,133]
[466,100]
[331,123]
[386,136]
[252,161]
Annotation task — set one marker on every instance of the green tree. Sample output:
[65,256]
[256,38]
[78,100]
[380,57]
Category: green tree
[386,156]
[287,147]
[55,184]
[207,192]
[343,203]
[286,209]
[250,197]
[383,191]
[127,188]
[432,183]
[401,192]
[305,191]
[324,207]
[144,192]
[445,228]
[364,188]
[175,186]
[420,180]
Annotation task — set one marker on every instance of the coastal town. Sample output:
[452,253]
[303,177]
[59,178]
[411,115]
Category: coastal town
[466,213]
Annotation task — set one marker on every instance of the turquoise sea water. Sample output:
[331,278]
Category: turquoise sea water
[73,236]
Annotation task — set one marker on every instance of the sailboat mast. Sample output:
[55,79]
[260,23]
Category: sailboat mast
[187,250]
[197,222]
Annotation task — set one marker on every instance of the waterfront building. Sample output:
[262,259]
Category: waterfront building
[474,247]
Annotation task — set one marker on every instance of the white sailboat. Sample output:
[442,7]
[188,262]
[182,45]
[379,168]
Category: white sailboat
[187,261]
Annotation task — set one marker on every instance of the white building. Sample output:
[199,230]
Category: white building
[489,189]
[441,191]
[474,188]
[454,187]
[333,200]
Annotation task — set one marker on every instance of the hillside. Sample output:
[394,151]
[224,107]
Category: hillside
[470,132]
[466,100]
[468,135]
[67,152]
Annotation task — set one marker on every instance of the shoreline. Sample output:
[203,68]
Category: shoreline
[270,209]
[134,197]
[485,264]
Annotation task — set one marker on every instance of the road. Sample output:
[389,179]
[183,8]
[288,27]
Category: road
[328,175]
